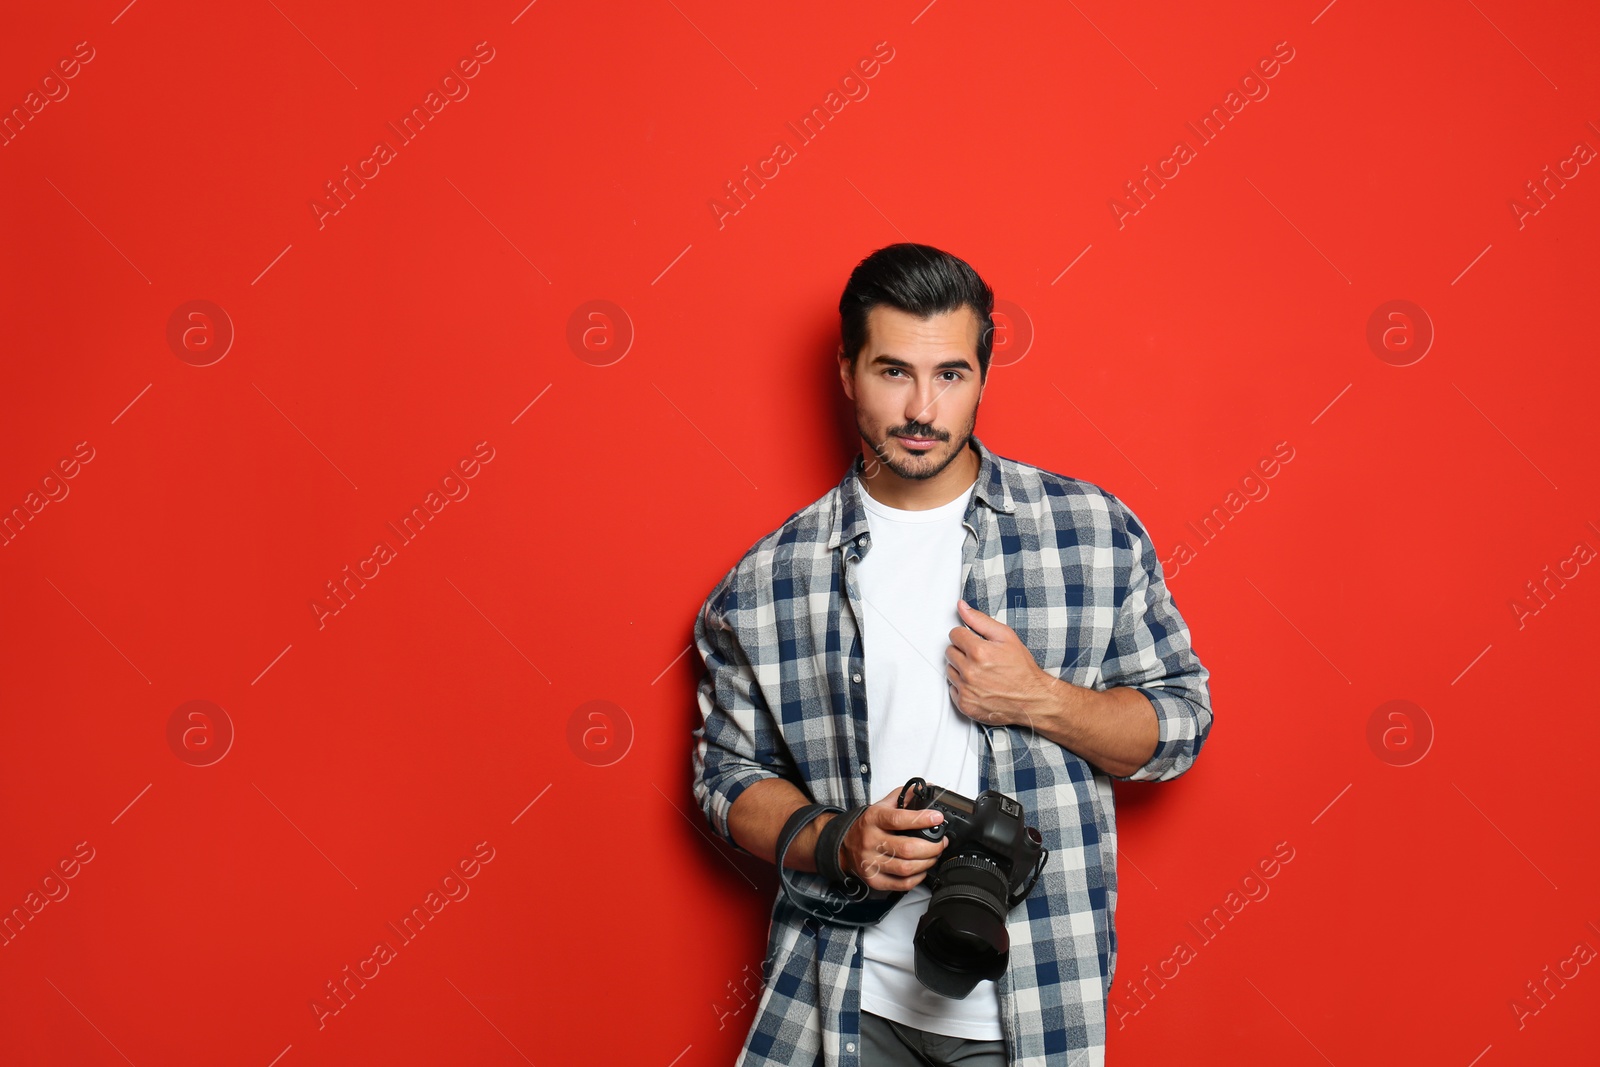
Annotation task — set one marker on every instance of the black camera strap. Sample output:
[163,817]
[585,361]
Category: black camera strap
[829,840]
[858,904]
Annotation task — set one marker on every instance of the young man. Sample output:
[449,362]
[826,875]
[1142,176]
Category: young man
[950,614]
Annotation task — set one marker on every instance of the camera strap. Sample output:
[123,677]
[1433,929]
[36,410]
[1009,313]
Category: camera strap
[857,904]
[829,840]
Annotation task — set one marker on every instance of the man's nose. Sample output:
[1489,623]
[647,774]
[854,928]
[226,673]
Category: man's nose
[922,405]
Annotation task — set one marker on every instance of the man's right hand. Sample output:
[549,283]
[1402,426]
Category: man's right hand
[875,853]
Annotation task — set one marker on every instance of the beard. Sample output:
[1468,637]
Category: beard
[923,467]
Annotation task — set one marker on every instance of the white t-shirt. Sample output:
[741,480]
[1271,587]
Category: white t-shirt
[909,581]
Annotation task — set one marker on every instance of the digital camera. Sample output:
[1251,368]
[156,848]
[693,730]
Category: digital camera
[988,868]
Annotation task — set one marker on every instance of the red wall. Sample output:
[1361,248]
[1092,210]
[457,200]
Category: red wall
[1431,541]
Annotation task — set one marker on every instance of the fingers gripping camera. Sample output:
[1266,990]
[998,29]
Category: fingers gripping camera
[988,868]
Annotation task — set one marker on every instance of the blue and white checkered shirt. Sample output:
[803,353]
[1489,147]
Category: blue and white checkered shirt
[1068,567]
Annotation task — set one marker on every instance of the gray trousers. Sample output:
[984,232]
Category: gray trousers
[886,1043]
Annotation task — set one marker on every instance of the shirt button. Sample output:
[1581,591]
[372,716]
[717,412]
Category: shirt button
[864,768]
[855,677]
[863,540]
[849,1046]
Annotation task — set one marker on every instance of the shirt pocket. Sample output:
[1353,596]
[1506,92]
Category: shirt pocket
[1059,635]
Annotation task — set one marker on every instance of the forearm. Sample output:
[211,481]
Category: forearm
[1114,729]
[757,817]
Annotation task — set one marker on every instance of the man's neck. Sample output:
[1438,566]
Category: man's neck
[911,494]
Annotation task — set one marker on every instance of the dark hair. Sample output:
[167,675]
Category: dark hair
[920,280]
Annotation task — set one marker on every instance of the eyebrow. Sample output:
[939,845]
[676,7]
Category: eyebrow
[896,361]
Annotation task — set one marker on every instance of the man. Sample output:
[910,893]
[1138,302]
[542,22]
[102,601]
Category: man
[951,614]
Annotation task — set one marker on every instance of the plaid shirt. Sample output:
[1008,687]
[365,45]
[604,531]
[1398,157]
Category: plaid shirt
[1070,569]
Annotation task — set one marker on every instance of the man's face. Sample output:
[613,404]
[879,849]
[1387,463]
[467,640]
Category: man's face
[916,388]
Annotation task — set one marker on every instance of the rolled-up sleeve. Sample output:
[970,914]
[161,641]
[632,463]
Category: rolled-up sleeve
[737,742]
[1150,651]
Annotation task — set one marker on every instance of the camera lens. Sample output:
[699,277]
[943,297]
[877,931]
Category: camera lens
[967,938]
[962,936]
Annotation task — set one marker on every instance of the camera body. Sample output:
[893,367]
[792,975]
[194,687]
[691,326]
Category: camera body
[991,864]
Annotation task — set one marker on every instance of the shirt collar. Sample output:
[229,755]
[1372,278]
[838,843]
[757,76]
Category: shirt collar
[850,517]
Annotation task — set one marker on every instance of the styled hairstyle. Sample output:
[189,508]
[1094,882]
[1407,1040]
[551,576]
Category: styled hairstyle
[920,280]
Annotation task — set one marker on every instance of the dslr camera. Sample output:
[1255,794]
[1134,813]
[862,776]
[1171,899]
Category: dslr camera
[988,868]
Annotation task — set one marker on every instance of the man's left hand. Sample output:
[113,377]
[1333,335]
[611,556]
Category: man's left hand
[992,676]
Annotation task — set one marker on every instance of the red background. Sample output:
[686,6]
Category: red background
[445,704]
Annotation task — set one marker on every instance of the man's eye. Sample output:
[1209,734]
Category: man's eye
[955,374]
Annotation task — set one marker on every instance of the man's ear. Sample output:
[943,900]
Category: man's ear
[846,379]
